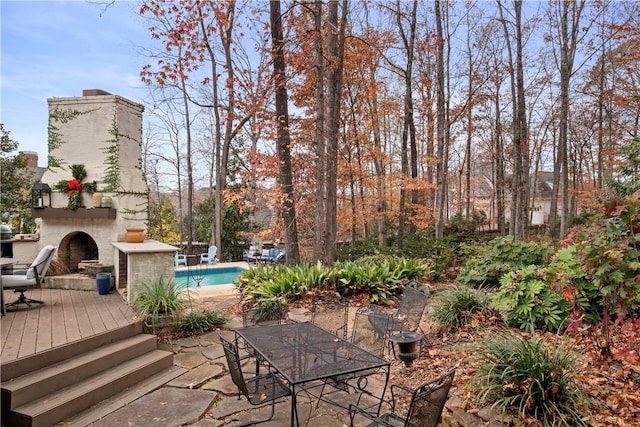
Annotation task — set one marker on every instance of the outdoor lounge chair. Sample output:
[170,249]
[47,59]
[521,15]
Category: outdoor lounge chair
[425,408]
[33,277]
[274,255]
[181,259]
[210,256]
[259,389]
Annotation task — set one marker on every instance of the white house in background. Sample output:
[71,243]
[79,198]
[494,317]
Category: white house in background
[540,198]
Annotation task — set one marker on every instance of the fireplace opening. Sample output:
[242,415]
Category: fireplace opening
[76,248]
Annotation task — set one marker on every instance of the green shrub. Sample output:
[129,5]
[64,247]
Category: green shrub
[381,276]
[565,273]
[359,249]
[159,297]
[283,280]
[533,375]
[265,310]
[500,256]
[202,321]
[455,306]
[440,253]
[609,253]
[529,301]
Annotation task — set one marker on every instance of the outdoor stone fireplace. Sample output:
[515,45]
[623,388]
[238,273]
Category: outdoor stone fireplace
[75,248]
[103,133]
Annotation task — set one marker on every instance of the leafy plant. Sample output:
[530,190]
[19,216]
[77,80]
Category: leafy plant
[379,276]
[501,256]
[609,252]
[202,321]
[159,297]
[455,306]
[529,301]
[264,310]
[566,275]
[533,375]
[441,254]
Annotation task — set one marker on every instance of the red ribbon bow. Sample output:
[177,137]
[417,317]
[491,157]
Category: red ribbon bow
[74,185]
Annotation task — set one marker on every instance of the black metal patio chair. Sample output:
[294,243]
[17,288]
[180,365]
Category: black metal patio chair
[260,313]
[365,336]
[331,313]
[259,389]
[406,318]
[425,407]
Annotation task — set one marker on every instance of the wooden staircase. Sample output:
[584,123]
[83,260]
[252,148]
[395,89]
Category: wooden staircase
[51,386]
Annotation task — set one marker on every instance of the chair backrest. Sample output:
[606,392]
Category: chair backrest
[262,313]
[180,259]
[233,362]
[412,306]
[369,330]
[38,268]
[273,253]
[428,401]
[332,314]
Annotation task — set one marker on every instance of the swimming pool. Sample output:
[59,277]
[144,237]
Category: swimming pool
[207,276]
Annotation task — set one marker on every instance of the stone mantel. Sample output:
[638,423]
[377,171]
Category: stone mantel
[64,213]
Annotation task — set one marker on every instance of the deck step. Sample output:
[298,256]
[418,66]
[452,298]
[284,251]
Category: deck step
[25,365]
[34,385]
[63,403]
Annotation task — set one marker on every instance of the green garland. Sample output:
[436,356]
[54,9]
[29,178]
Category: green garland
[75,187]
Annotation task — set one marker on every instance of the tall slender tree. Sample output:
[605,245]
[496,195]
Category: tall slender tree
[283,138]
[335,48]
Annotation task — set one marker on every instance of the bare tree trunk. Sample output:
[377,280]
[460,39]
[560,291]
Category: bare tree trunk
[318,241]
[516,227]
[187,125]
[441,155]
[221,176]
[216,161]
[522,147]
[409,151]
[283,139]
[378,162]
[568,14]
[335,46]
[381,204]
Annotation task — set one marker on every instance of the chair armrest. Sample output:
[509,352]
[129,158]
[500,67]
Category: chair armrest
[355,410]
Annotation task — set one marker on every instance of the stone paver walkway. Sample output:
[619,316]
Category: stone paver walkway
[205,396]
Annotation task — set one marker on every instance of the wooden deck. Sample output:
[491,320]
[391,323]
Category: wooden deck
[66,316]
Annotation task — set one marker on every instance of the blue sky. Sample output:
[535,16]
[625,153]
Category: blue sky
[57,49]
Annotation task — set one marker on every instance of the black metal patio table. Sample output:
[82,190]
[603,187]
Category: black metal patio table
[303,353]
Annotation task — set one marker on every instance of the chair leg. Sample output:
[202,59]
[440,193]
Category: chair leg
[22,299]
[273,412]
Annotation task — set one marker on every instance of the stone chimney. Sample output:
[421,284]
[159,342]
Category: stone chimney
[32,158]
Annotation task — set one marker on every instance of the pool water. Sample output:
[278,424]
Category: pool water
[207,276]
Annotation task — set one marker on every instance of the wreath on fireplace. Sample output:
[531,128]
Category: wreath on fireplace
[75,187]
